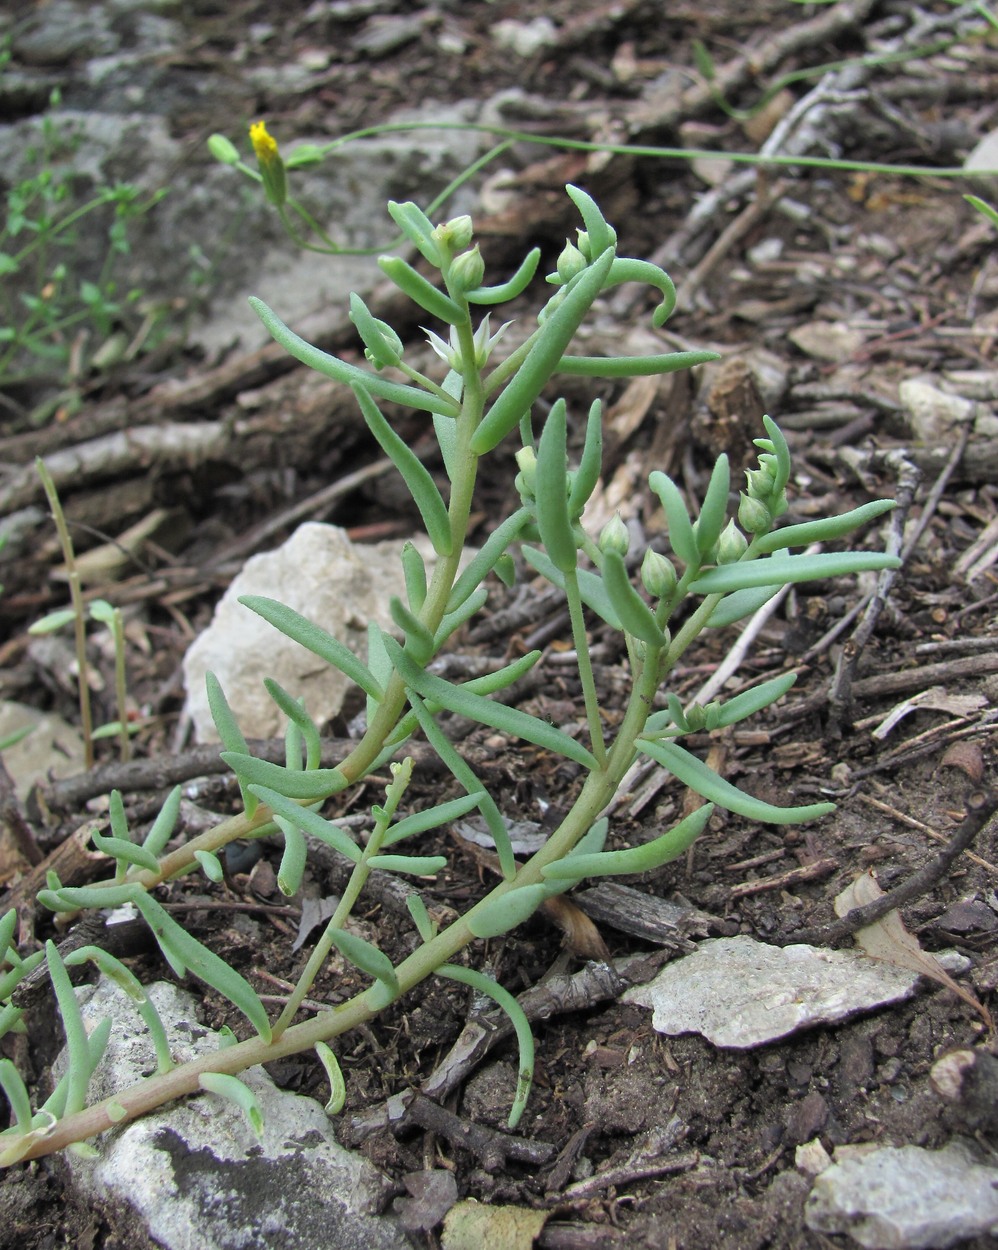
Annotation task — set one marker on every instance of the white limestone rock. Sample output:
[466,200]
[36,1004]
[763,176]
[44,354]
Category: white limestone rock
[740,993]
[322,575]
[195,1174]
[906,1198]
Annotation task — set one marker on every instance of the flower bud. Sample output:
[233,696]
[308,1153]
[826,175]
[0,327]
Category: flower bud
[584,246]
[454,235]
[223,149]
[268,156]
[696,718]
[466,271]
[732,544]
[753,515]
[570,262]
[778,504]
[526,458]
[615,536]
[658,575]
[760,484]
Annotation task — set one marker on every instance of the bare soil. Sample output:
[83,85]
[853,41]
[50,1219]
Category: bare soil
[904,273]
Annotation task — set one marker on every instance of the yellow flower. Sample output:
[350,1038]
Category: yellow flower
[271,166]
[264,144]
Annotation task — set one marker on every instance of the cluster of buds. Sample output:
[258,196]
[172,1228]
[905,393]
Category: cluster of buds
[765,498]
[463,267]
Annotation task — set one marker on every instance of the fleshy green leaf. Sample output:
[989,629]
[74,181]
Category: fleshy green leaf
[542,358]
[414,572]
[635,615]
[313,638]
[125,852]
[463,702]
[824,530]
[412,283]
[465,775]
[484,562]
[779,570]
[337,1086]
[704,781]
[516,285]
[163,826]
[553,520]
[296,714]
[412,865]
[229,733]
[309,822]
[123,977]
[635,859]
[414,473]
[714,512]
[632,366]
[751,701]
[432,817]
[681,536]
[317,783]
[417,228]
[366,957]
[741,603]
[521,1026]
[421,917]
[237,1092]
[340,371]
[184,950]
[601,234]
[587,474]
[498,915]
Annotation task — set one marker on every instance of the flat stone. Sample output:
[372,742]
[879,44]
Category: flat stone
[906,1198]
[740,993]
[195,1173]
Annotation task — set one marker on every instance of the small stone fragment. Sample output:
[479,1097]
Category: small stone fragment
[740,993]
[907,1198]
[932,413]
[834,341]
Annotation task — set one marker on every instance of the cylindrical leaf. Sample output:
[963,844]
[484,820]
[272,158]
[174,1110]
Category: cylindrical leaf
[499,915]
[635,615]
[681,536]
[414,473]
[778,570]
[421,292]
[698,776]
[542,358]
[553,519]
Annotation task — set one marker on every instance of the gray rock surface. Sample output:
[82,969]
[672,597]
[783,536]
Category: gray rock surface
[321,574]
[131,111]
[907,1198]
[196,1175]
[740,993]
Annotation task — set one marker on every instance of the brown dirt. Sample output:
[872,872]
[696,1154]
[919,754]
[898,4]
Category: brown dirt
[908,265]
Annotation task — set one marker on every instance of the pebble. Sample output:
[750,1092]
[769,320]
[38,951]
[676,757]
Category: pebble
[740,993]
[906,1198]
